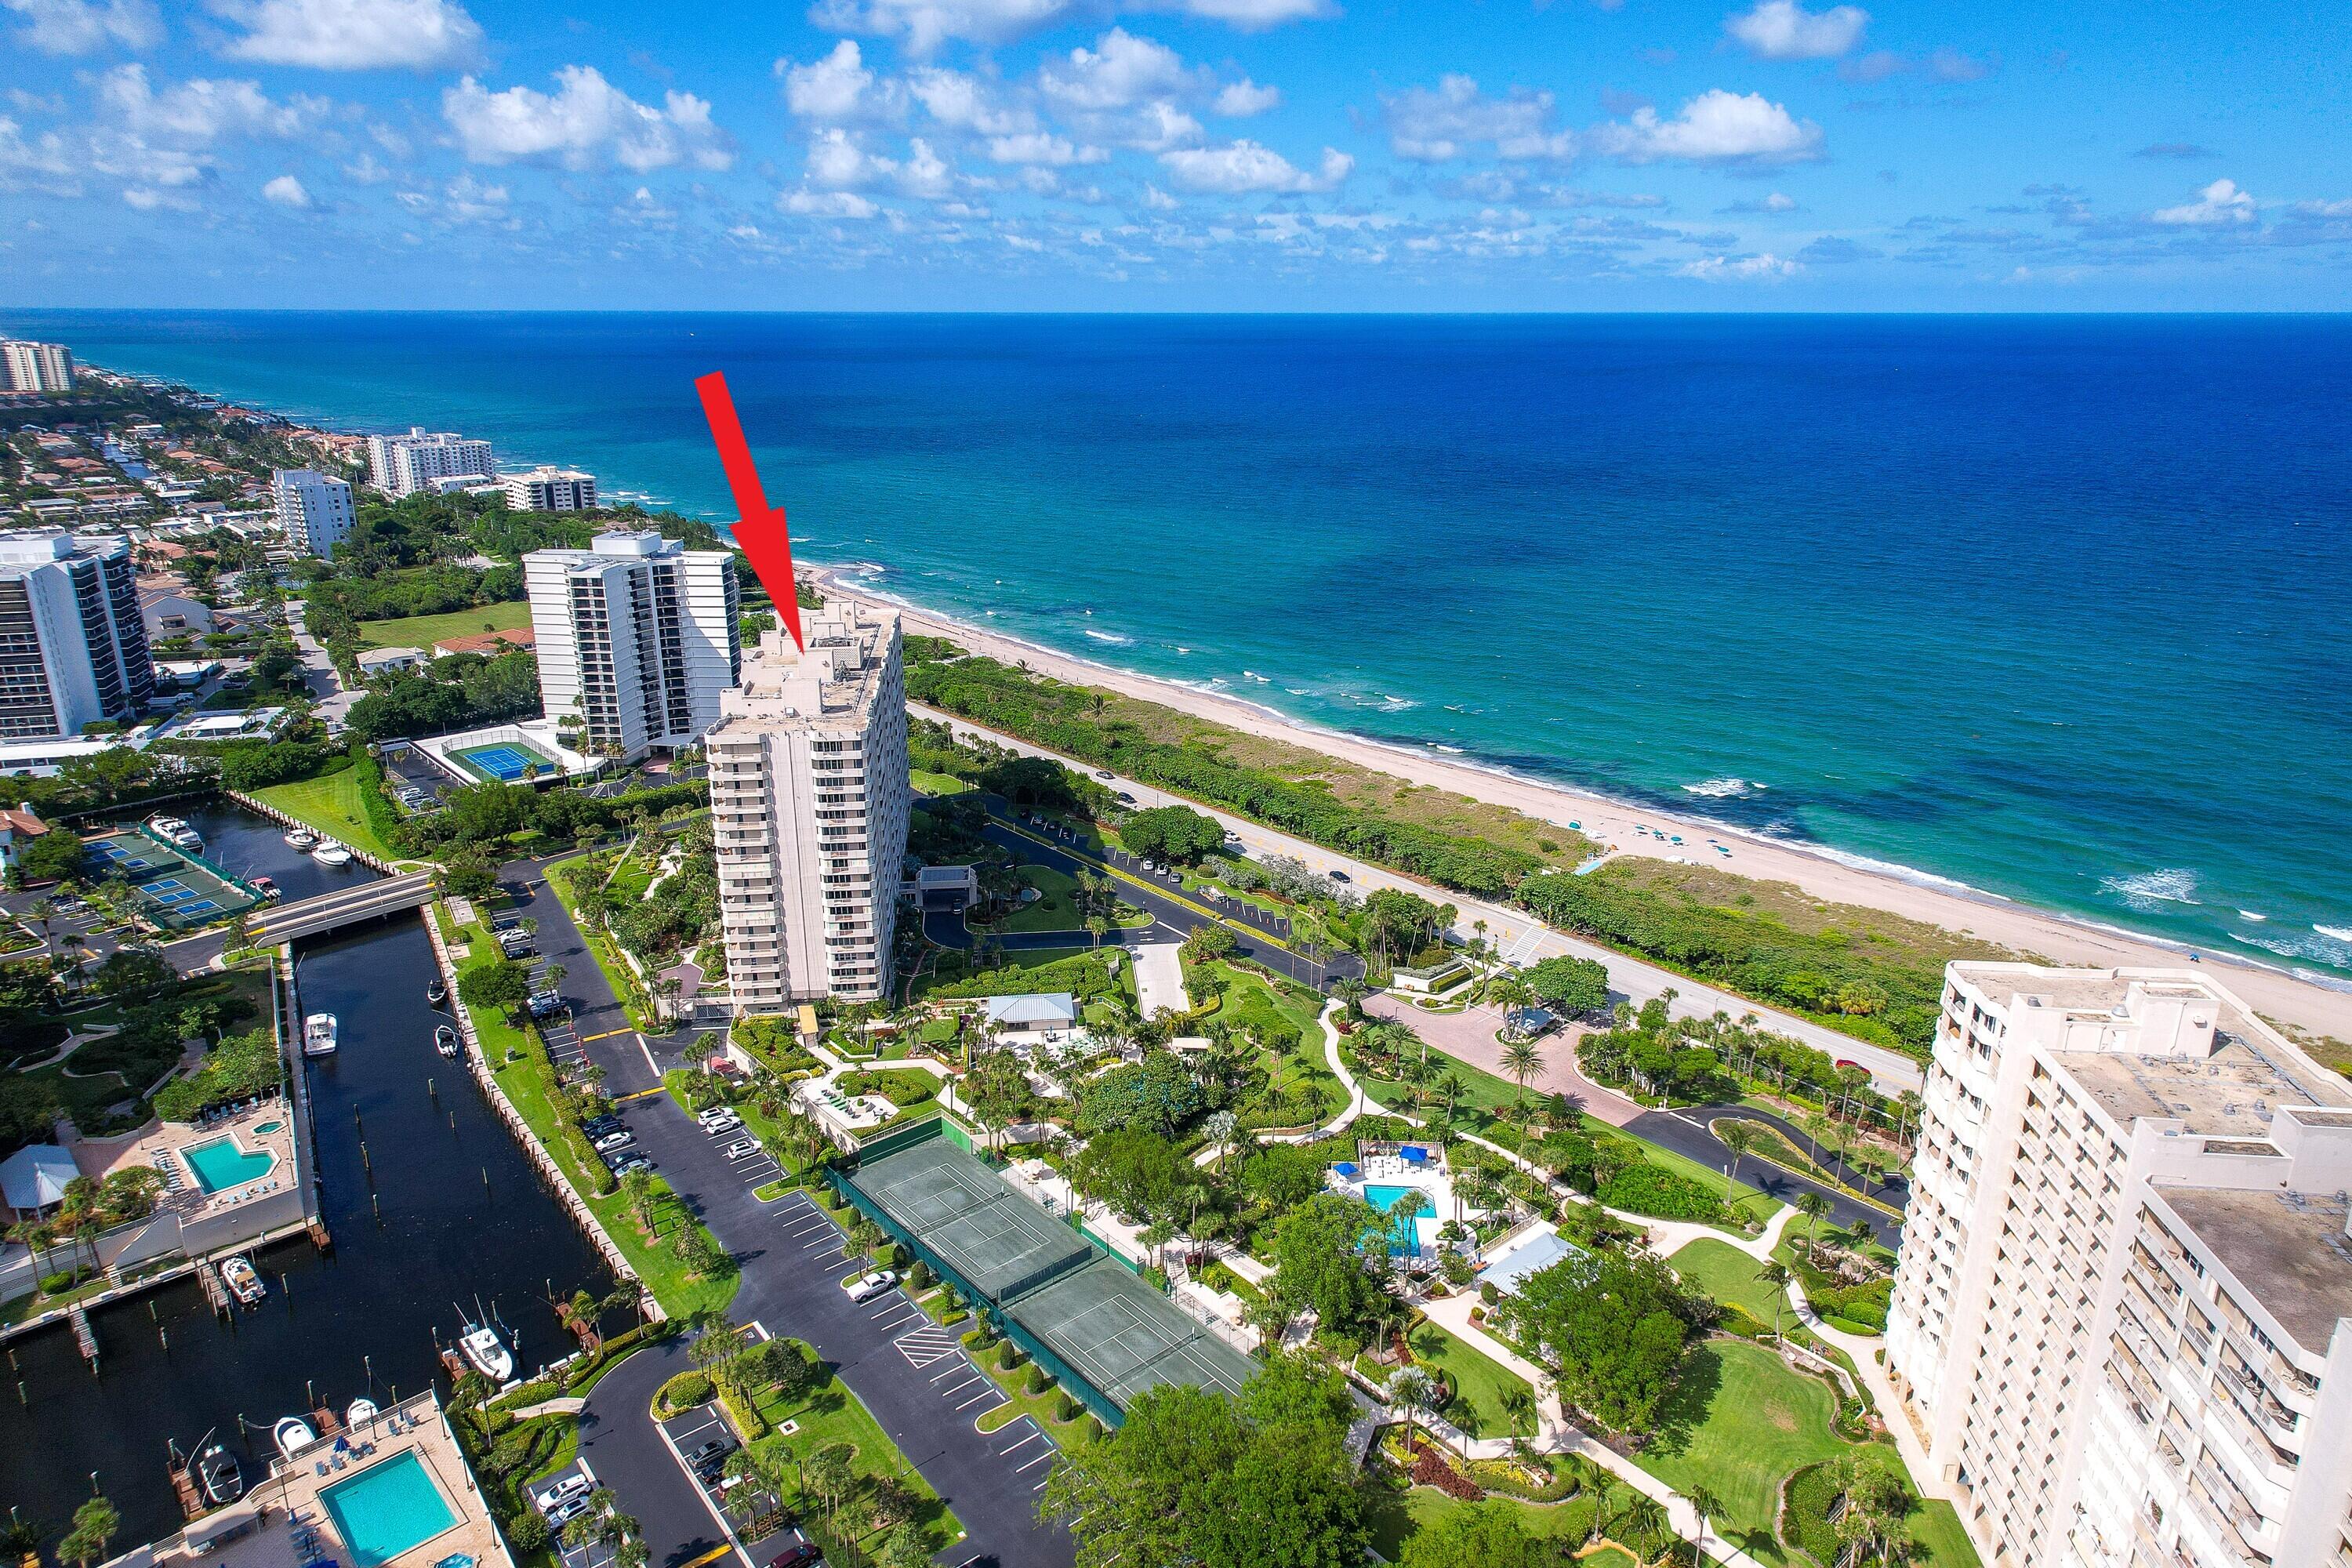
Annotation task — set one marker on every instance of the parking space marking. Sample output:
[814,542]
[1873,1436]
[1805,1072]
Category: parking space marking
[1044,1459]
[925,1345]
[1034,1434]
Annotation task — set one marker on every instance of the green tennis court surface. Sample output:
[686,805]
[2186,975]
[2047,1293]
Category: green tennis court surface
[505,761]
[175,890]
[1109,1327]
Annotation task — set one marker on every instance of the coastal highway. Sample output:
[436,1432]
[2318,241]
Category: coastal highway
[1518,935]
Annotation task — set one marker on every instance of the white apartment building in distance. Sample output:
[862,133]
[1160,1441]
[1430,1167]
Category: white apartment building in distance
[809,801]
[549,489]
[314,508]
[636,637]
[2119,1319]
[425,460]
[35,367]
[73,645]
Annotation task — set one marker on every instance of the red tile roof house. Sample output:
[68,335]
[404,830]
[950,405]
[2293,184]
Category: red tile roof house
[490,643]
[19,828]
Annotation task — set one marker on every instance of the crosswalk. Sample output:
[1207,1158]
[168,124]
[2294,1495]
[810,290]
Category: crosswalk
[925,1345]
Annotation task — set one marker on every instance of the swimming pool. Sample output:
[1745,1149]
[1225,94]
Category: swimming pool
[386,1509]
[269,1127]
[1403,1235]
[220,1164]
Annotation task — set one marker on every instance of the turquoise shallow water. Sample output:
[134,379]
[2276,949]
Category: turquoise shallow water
[220,1164]
[2057,607]
[389,1508]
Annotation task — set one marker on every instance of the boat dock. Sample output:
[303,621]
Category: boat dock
[83,1336]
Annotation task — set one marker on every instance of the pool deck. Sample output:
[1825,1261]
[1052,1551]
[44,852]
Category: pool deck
[162,1146]
[261,1529]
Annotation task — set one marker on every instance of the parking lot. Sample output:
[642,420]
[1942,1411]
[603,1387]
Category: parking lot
[756,1523]
[564,1483]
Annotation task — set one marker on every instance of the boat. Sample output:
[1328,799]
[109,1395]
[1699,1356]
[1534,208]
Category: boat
[360,1414]
[436,991]
[486,1353]
[445,1040]
[292,1435]
[302,838]
[318,1035]
[189,839]
[270,891]
[220,1475]
[243,1281]
[163,826]
[331,854]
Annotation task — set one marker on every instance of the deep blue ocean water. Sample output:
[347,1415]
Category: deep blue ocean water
[2057,607]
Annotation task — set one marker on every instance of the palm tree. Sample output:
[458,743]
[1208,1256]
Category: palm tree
[1737,1136]
[1406,1387]
[1518,1402]
[1645,1524]
[1814,1206]
[1705,1503]
[1817,1127]
[1776,1275]
[1452,1088]
[1525,1063]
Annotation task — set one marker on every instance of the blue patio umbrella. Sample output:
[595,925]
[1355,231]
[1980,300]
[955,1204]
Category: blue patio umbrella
[1346,1167]
[1415,1154]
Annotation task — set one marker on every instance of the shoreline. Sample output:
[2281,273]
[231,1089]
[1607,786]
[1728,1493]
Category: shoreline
[1840,877]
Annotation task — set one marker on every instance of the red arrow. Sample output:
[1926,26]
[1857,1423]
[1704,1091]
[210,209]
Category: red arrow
[761,531]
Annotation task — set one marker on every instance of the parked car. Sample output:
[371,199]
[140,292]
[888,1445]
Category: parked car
[718,1118]
[871,1284]
[612,1141]
[569,1508]
[564,1491]
[803,1555]
[597,1126]
[742,1148]
[548,1003]
[633,1163]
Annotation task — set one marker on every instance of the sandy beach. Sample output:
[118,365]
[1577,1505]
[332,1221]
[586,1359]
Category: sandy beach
[2273,992]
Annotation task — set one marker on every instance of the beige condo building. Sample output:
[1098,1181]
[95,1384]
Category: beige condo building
[810,800]
[2118,1322]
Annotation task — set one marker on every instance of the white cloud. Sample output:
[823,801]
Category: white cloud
[1041,147]
[585,120]
[80,26]
[1738,269]
[1784,30]
[201,110]
[1716,127]
[836,162]
[285,190]
[1435,126]
[838,89]
[45,155]
[1778,202]
[966,103]
[1246,166]
[2325,209]
[1240,99]
[925,174]
[470,200]
[1162,125]
[145,200]
[826,203]
[1120,71]
[928,23]
[2220,203]
[366,170]
[352,35]
[1159,200]
[1950,64]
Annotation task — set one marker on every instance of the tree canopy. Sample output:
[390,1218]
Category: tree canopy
[1611,1328]
[1157,1095]
[1171,833]
[1576,986]
[1319,1255]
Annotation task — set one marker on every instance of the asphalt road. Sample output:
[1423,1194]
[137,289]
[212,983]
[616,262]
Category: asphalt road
[791,1262]
[1684,1130]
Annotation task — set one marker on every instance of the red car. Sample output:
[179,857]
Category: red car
[800,1556]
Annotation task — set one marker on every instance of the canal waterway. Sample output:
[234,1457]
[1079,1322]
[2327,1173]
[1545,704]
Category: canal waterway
[441,1208]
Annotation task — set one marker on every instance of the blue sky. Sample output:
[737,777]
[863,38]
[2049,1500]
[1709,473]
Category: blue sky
[1182,154]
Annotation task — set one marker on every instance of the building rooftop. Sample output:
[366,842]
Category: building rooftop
[835,681]
[2288,1248]
[2231,1094]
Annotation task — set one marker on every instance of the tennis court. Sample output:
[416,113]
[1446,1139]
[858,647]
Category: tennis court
[505,761]
[1109,1327]
[175,890]
[1123,1336]
[999,1241]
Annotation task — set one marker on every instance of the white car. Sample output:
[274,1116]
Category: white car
[562,1492]
[718,1121]
[742,1148]
[873,1285]
[612,1141]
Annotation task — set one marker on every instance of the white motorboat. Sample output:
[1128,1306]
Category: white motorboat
[331,854]
[164,826]
[486,1353]
[361,1413]
[243,1281]
[293,1434]
[318,1035]
[436,991]
[445,1040]
[220,1475]
[189,839]
[302,838]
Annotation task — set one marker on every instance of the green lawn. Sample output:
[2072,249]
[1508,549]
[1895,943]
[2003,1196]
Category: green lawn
[424,631]
[1397,1517]
[834,1414]
[938,785]
[331,804]
[1479,1381]
[1738,1424]
[1728,1275]
[1053,910]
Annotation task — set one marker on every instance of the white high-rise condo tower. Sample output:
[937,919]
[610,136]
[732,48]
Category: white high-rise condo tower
[2120,1323]
[314,508]
[426,460]
[73,648]
[636,637]
[809,804]
[35,367]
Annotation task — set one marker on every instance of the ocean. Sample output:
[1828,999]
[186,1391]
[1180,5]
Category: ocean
[2057,607]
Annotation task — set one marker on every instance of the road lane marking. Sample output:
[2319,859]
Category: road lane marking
[640,1094]
[610,1033]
